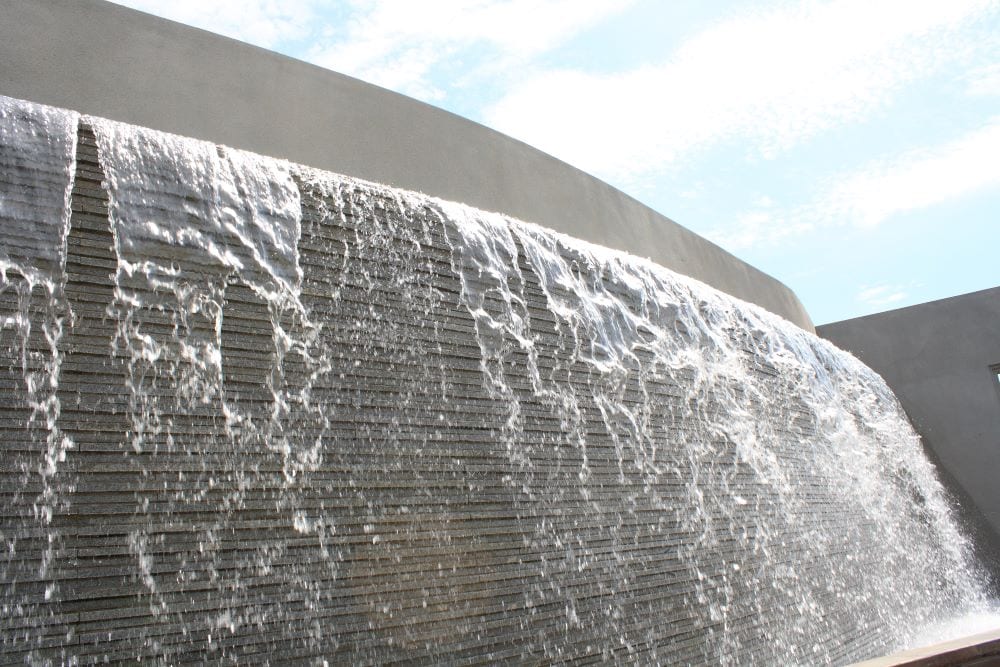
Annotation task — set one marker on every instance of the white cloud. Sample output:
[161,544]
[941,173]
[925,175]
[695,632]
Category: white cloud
[880,190]
[761,227]
[398,43]
[880,296]
[984,81]
[264,23]
[770,79]
[917,180]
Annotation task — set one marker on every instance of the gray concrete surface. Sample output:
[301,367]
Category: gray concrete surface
[936,357]
[107,60]
[979,650]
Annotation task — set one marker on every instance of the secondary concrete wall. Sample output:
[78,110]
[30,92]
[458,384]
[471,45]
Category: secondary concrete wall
[937,358]
[111,61]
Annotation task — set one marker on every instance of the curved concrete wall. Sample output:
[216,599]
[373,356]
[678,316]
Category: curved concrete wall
[111,61]
[937,358]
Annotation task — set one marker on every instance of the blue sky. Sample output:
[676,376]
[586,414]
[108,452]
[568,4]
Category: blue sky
[850,148]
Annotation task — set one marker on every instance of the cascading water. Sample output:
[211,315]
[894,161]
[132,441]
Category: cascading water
[257,411]
[37,156]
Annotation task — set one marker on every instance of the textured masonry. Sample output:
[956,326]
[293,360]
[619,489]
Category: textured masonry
[418,536]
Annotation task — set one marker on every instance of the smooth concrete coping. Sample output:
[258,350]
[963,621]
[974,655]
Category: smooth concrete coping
[980,650]
[111,61]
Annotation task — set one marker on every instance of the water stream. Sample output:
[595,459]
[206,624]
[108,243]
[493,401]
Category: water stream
[259,411]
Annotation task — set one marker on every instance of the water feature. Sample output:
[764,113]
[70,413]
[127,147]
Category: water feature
[259,411]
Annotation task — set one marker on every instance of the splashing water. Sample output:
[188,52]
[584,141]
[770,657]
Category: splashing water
[774,432]
[37,150]
[281,412]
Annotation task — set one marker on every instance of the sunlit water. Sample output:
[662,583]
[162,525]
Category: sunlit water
[259,411]
[958,627]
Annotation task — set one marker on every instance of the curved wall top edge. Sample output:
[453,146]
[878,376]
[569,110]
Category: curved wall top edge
[111,61]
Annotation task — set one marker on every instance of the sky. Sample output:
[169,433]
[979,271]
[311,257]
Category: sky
[849,148]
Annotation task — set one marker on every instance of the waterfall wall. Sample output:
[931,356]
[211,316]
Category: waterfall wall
[942,359]
[110,61]
[257,411]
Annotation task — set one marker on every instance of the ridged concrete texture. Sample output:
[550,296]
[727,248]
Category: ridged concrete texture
[419,535]
[114,62]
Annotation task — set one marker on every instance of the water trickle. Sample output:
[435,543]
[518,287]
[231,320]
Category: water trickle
[776,454]
[326,419]
[220,358]
[190,219]
[39,145]
[37,154]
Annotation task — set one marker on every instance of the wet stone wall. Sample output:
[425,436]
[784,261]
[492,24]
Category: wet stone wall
[261,413]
